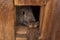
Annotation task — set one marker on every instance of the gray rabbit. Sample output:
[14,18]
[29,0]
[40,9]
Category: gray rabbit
[25,16]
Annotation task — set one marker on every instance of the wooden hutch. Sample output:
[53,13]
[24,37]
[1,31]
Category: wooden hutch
[49,18]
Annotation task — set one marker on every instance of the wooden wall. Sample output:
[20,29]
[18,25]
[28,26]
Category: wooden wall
[7,14]
[51,21]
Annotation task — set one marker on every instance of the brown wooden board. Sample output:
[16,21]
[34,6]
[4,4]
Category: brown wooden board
[1,24]
[49,22]
[29,2]
[7,12]
[57,21]
[42,13]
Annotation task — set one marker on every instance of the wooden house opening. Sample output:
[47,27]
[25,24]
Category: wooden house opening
[32,14]
[35,11]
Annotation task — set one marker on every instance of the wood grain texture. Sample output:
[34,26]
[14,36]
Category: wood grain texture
[7,12]
[57,21]
[1,27]
[21,38]
[50,24]
[41,18]
[29,2]
[42,13]
[48,32]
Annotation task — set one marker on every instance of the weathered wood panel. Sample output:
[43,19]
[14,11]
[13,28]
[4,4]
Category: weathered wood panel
[48,32]
[41,18]
[1,27]
[42,13]
[7,10]
[29,2]
[57,21]
[46,20]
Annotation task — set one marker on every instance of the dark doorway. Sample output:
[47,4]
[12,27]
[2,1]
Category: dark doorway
[35,12]
[32,14]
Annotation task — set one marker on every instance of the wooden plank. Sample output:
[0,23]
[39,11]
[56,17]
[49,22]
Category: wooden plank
[9,26]
[47,28]
[8,12]
[29,2]
[42,12]
[21,30]
[57,21]
[54,23]
[1,26]
[46,21]
[21,38]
